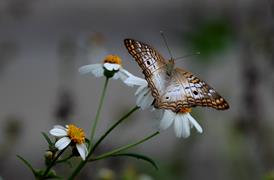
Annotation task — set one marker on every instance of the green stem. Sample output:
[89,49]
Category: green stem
[53,162]
[123,148]
[82,163]
[112,127]
[77,170]
[98,113]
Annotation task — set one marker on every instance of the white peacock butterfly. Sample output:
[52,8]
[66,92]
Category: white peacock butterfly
[173,88]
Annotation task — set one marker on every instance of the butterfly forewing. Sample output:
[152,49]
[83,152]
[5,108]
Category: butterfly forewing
[175,90]
[152,64]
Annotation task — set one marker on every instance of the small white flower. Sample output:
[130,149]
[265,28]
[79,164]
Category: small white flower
[183,122]
[70,134]
[111,68]
[111,65]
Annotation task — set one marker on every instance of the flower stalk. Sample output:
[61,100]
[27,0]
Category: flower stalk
[123,148]
[98,113]
[112,127]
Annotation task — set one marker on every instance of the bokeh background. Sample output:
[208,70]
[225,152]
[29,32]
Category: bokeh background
[43,43]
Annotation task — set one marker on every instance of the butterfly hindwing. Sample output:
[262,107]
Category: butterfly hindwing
[185,90]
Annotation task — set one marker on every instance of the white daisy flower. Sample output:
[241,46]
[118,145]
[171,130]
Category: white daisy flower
[111,68]
[183,122]
[70,135]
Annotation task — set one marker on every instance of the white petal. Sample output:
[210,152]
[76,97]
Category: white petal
[134,80]
[185,126]
[116,76]
[116,66]
[60,127]
[147,102]
[195,123]
[83,151]
[58,132]
[98,72]
[124,74]
[88,68]
[111,66]
[120,75]
[178,126]
[144,100]
[167,119]
[141,95]
[62,143]
[96,69]
[140,89]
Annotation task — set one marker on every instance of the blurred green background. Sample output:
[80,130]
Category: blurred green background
[43,43]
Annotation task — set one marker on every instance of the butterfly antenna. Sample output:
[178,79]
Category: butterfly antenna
[164,38]
[188,55]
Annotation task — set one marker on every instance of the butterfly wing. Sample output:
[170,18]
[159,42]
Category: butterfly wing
[185,90]
[152,64]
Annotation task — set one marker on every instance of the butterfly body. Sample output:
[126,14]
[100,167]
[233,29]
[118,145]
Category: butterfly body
[173,88]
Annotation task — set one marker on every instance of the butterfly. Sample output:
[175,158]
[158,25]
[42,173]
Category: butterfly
[173,88]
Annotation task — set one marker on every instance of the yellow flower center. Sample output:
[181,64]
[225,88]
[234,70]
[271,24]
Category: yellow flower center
[185,110]
[113,59]
[76,134]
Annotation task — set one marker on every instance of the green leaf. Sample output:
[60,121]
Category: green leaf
[47,139]
[27,164]
[138,156]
